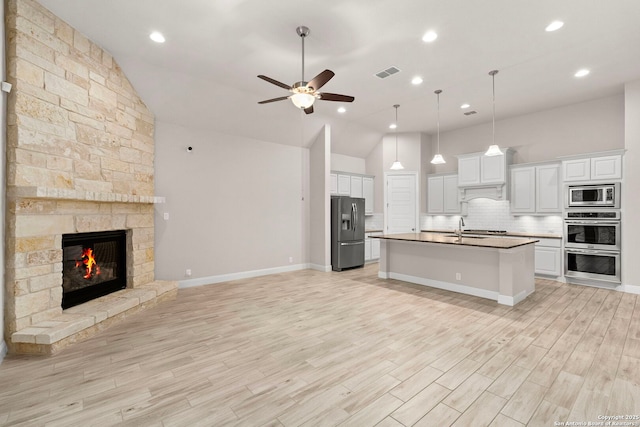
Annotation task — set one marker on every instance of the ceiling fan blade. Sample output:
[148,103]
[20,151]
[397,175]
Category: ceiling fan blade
[275,82]
[321,79]
[309,109]
[282,98]
[335,97]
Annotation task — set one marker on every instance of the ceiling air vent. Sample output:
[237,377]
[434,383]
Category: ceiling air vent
[388,72]
[468,113]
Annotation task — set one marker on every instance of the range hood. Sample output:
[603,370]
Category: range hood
[494,192]
[483,177]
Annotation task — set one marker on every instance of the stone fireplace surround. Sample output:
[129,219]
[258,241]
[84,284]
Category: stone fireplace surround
[80,151]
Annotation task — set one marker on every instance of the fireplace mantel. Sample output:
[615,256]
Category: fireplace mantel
[24,192]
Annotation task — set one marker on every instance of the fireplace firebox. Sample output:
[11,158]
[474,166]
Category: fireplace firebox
[93,265]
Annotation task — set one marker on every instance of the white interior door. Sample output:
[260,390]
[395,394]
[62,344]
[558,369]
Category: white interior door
[401,203]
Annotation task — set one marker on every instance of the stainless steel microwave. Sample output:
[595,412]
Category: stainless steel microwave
[593,196]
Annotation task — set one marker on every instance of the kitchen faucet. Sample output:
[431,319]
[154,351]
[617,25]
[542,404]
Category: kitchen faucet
[459,230]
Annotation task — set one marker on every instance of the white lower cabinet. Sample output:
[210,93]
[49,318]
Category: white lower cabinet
[371,247]
[548,253]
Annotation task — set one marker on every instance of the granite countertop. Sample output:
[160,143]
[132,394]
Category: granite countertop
[485,242]
[508,233]
[373,230]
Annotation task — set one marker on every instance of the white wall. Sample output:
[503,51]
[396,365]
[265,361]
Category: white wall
[631,187]
[320,202]
[342,163]
[3,143]
[592,126]
[235,204]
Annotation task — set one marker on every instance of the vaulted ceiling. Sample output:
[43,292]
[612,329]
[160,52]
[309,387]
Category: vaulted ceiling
[205,74]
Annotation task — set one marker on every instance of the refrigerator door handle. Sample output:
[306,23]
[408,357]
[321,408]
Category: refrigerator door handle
[355,223]
[353,216]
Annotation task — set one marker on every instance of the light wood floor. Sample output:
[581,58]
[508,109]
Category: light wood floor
[311,348]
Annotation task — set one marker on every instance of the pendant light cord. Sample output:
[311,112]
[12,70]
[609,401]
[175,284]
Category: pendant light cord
[493,83]
[438,94]
[396,107]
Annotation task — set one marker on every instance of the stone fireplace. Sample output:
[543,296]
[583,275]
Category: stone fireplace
[80,152]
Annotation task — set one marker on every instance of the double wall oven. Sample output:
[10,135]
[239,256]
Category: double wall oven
[592,233]
[592,245]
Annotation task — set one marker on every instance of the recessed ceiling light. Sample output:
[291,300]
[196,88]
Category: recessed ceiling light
[463,106]
[156,37]
[392,126]
[582,73]
[429,36]
[555,25]
[342,110]
[416,80]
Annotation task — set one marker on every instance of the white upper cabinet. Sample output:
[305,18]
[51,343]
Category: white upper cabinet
[468,170]
[356,186]
[592,168]
[451,194]
[478,169]
[535,189]
[576,170]
[367,192]
[344,185]
[548,189]
[334,184]
[442,194]
[523,189]
[481,176]
[606,167]
[435,194]
[492,169]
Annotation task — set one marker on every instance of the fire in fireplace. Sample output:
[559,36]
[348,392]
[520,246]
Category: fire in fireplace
[93,265]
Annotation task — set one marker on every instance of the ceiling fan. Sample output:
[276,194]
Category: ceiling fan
[303,93]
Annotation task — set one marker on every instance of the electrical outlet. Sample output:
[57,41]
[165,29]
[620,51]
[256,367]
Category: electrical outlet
[290,260]
[458,276]
[187,272]
[166,216]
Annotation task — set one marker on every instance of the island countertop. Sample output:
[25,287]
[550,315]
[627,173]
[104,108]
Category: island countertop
[485,242]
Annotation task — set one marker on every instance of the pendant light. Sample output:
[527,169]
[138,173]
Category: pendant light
[396,165]
[437,159]
[494,150]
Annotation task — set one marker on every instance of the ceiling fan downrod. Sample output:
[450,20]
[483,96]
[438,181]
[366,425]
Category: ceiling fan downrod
[303,32]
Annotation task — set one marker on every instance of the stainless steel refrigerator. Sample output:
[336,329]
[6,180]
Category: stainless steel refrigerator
[347,232]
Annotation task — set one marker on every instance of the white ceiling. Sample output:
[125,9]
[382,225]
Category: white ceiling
[205,75]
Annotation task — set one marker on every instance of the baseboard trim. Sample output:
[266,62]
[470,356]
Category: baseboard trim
[318,267]
[468,290]
[210,280]
[3,350]
[630,289]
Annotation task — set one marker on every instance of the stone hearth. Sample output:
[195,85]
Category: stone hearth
[80,150]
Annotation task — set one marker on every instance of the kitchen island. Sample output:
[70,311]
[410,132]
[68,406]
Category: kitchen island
[501,269]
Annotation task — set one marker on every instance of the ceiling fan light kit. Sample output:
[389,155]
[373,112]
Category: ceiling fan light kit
[304,93]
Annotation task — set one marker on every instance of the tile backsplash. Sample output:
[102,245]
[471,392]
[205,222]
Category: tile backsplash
[487,214]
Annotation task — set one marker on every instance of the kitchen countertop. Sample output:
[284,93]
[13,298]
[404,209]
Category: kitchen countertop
[373,230]
[508,233]
[485,242]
